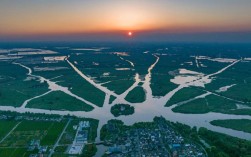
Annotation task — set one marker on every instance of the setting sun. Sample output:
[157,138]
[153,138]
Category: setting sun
[129,33]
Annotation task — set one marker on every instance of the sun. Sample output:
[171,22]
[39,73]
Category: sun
[130,34]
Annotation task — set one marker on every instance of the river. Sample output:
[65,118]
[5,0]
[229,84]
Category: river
[145,111]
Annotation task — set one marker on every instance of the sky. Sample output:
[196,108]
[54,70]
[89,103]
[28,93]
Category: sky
[113,19]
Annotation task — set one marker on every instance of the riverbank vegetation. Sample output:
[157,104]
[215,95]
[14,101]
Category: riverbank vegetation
[184,95]
[58,100]
[197,106]
[212,103]
[120,86]
[222,145]
[161,85]
[111,99]
[239,75]
[70,79]
[137,95]
[216,144]
[14,82]
[236,124]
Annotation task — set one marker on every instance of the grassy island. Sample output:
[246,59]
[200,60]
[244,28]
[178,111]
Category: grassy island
[137,95]
[236,124]
[122,109]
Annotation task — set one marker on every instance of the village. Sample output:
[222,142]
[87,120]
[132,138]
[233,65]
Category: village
[153,139]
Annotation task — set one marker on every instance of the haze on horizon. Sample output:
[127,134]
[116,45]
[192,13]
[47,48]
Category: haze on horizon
[78,19]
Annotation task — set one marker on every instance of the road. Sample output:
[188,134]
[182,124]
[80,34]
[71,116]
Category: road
[10,132]
[56,144]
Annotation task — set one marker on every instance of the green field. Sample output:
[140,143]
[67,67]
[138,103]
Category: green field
[46,129]
[236,124]
[5,127]
[16,144]
[137,95]
[14,152]
[59,101]
[53,133]
[47,132]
